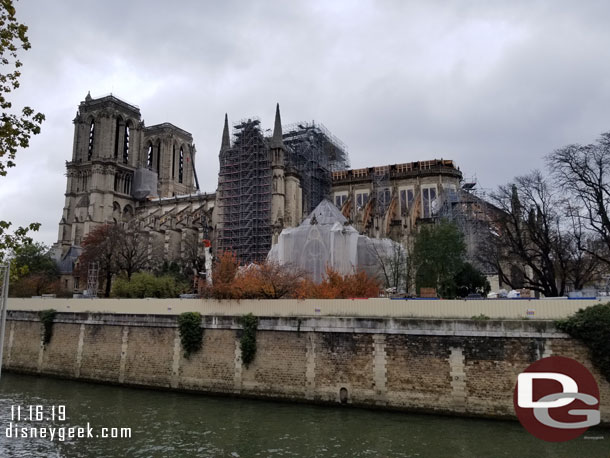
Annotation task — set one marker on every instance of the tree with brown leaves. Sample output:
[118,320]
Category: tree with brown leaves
[101,246]
[223,274]
[268,280]
[337,286]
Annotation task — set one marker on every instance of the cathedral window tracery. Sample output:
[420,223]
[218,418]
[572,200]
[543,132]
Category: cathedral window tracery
[126,144]
[149,158]
[117,131]
[91,138]
[174,163]
[181,166]
[158,157]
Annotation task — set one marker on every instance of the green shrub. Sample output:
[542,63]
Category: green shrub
[47,317]
[592,326]
[191,332]
[247,342]
[144,284]
[438,253]
[480,317]
[470,280]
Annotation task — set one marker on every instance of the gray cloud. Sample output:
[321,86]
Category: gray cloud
[492,85]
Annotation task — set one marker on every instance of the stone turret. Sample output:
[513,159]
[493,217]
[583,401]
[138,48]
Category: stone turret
[226,139]
[278,197]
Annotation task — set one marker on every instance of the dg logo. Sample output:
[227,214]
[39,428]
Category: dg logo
[557,399]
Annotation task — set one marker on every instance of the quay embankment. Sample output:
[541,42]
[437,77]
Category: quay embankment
[462,359]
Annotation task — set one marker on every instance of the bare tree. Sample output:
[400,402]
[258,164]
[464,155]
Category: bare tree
[278,281]
[394,267]
[132,251]
[529,248]
[100,245]
[194,255]
[583,266]
[117,250]
[584,172]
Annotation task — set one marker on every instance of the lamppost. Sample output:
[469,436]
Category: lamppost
[4,276]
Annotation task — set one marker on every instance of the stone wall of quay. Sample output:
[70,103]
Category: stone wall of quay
[462,367]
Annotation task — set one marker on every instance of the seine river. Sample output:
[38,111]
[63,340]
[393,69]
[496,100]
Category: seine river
[165,424]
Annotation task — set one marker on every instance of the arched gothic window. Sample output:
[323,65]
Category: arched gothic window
[158,157]
[174,163]
[149,158]
[126,144]
[91,138]
[181,165]
[117,131]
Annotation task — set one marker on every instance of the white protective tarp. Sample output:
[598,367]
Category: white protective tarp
[324,239]
[144,183]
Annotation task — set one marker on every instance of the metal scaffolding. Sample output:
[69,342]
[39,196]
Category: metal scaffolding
[244,194]
[245,182]
[470,209]
[93,278]
[382,189]
[314,153]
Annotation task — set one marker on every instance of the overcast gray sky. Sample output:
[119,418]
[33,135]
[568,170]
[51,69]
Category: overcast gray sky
[492,85]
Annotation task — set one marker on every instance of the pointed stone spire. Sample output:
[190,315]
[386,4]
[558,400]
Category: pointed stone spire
[277,141]
[226,139]
[88,96]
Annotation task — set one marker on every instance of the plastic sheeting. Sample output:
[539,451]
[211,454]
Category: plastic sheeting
[145,183]
[325,239]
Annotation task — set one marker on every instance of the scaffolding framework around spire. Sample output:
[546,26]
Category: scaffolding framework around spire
[244,194]
[245,179]
[314,153]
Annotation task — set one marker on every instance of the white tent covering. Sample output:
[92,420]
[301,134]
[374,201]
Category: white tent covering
[324,239]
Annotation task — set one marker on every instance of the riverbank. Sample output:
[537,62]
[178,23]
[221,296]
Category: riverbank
[449,366]
[186,425]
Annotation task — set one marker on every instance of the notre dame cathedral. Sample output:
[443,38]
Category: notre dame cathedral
[124,172]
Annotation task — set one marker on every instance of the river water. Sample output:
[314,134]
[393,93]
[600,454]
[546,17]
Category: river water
[167,424]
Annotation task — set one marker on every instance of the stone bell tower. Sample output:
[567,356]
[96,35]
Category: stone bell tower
[117,163]
[105,155]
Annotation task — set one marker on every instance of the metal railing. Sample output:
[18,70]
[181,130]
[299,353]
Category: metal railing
[5,270]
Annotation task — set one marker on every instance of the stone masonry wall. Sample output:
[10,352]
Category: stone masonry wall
[448,366]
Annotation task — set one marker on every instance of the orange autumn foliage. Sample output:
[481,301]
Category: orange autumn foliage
[337,286]
[223,277]
[267,280]
[270,280]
